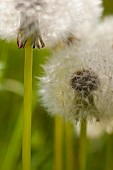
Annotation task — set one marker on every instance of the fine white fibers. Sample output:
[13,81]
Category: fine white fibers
[93,13]
[84,14]
[49,19]
[46,21]
[61,19]
[90,98]
[105,28]
[30,7]
[93,9]
[9,20]
[94,129]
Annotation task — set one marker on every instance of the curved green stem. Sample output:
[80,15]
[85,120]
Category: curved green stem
[83,145]
[26,140]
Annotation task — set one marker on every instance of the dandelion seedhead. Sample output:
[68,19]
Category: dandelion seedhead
[78,81]
[43,21]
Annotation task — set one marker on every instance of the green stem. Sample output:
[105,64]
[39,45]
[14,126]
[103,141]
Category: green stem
[69,146]
[26,142]
[83,143]
[109,152]
[59,133]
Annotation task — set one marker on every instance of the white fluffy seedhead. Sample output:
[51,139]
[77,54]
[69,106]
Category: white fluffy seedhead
[78,82]
[44,21]
[56,88]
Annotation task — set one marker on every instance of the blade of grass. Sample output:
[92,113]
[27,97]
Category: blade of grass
[14,146]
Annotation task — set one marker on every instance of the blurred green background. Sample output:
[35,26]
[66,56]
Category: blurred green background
[11,107]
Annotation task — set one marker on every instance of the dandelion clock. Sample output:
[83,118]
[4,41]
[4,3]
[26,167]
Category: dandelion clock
[45,21]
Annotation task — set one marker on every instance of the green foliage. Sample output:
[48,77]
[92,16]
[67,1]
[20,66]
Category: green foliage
[108,7]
